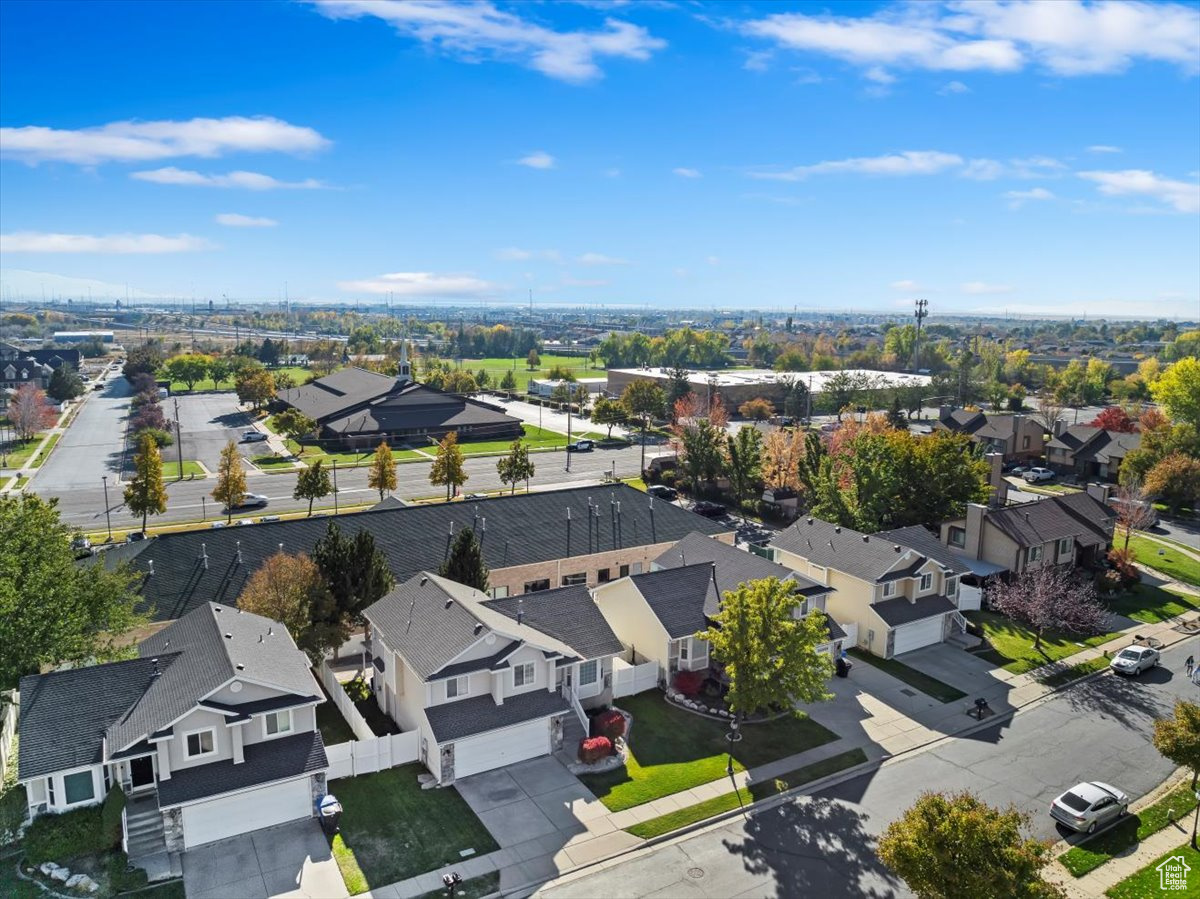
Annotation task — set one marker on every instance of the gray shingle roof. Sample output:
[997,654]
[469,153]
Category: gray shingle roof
[265,762]
[962,421]
[898,611]
[326,396]
[926,543]
[1076,515]
[423,624]
[1096,444]
[568,614]
[520,530]
[734,566]
[680,597]
[467,717]
[865,557]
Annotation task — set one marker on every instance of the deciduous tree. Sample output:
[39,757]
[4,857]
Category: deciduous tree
[145,493]
[769,655]
[780,460]
[448,469]
[219,370]
[1114,418]
[313,484]
[608,413]
[460,382]
[757,409]
[643,400]
[295,425]
[65,384]
[231,480]
[533,360]
[1049,410]
[516,466]
[288,589]
[1178,738]
[28,411]
[187,367]
[1178,391]
[381,475]
[1175,479]
[951,845]
[743,463]
[1134,510]
[465,564]
[255,386]
[1050,597]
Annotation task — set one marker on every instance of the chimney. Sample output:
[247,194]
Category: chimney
[944,412]
[1060,425]
[1101,493]
[996,478]
[974,542]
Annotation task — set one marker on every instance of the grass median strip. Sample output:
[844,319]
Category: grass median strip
[49,445]
[1074,672]
[1149,881]
[1091,854]
[1167,559]
[170,470]
[744,796]
[930,686]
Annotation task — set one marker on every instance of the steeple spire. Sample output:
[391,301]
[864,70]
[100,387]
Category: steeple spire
[404,374]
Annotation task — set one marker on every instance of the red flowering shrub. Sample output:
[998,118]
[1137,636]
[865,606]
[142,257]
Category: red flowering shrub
[1121,561]
[609,724]
[593,749]
[688,682]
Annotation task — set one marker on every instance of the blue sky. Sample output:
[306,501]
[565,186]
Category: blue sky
[1035,157]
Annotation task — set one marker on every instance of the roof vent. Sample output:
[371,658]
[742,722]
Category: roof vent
[151,564]
[520,611]
[204,555]
[239,552]
[424,581]
[270,632]
[478,628]
[229,636]
[449,602]
[281,547]
[837,528]
[155,672]
[810,521]
[260,638]
[896,547]
[865,538]
[240,668]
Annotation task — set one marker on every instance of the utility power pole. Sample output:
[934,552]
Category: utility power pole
[922,311]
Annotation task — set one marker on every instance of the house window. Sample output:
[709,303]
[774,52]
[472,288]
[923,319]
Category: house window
[624,569]
[1035,554]
[926,582]
[535,586]
[50,789]
[889,589]
[951,586]
[458,686]
[524,675]
[588,673]
[574,580]
[1025,442]
[1064,546]
[275,723]
[499,592]
[603,576]
[78,787]
[200,743]
[958,536]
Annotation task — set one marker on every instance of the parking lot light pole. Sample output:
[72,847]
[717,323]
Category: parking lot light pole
[107,514]
[335,490]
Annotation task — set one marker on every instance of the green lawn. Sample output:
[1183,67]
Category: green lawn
[45,453]
[332,725]
[1147,882]
[535,438]
[1091,854]
[1151,605]
[495,367]
[1168,560]
[299,374]
[19,451]
[274,462]
[744,796]
[930,686]
[1012,643]
[671,750]
[392,829]
[170,469]
[1074,672]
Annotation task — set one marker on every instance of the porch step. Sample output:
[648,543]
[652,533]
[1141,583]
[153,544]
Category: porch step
[964,640]
[144,827]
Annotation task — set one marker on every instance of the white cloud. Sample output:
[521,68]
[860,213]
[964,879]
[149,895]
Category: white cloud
[757,60]
[474,31]
[879,75]
[23,282]
[237,220]
[1183,196]
[1103,148]
[147,141]
[1066,37]
[910,162]
[245,180]
[421,284]
[600,259]
[979,288]
[1018,198]
[953,87]
[905,285]
[686,172]
[539,159]
[1030,167]
[40,242]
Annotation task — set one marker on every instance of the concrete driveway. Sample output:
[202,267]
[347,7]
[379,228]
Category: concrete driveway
[288,860]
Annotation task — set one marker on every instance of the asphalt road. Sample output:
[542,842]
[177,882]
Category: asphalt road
[824,845]
[91,447]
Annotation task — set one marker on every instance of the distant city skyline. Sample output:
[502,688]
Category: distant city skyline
[1032,158]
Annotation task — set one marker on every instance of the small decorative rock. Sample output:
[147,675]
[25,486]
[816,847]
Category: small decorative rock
[47,867]
[60,874]
[90,885]
[75,880]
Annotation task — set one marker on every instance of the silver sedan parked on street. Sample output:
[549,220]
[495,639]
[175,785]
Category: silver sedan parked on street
[1087,807]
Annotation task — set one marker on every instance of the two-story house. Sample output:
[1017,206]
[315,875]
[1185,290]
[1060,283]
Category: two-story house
[488,682]
[1087,452]
[1015,437]
[898,598]
[211,731]
[1072,529]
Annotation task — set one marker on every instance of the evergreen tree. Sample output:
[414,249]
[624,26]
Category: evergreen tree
[895,416]
[145,494]
[382,473]
[448,469]
[509,381]
[231,480]
[313,483]
[465,563]
[356,573]
[65,384]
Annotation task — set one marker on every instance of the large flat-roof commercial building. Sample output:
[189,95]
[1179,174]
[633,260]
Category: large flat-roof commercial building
[737,386]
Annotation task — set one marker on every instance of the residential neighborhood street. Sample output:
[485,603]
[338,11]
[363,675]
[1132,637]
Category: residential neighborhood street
[823,845]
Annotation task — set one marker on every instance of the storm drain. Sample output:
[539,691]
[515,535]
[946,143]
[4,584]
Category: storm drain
[908,692]
[695,873]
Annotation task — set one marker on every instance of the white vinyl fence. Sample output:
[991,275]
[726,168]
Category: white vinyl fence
[368,753]
[8,727]
[345,705]
[630,679]
[969,598]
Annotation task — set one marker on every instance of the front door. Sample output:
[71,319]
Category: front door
[141,773]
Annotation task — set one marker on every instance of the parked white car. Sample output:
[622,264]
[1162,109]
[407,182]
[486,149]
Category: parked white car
[1088,806]
[1034,475]
[1133,660]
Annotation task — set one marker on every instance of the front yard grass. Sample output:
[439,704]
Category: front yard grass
[656,827]
[170,470]
[1146,882]
[44,454]
[391,829]
[1074,672]
[331,724]
[1012,643]
[19,451]
[535,438]
[930,686]
[1091,854]
[1150,604]
[1167,559]
[671,750]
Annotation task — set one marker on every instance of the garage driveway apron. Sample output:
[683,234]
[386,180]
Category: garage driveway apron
[288,860]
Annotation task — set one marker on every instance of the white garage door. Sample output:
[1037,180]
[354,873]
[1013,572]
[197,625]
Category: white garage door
[918,634]
[501,747]
[243,812]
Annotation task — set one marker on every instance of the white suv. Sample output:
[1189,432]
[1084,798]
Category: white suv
[1034,475]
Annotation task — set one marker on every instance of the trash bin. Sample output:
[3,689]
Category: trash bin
[329,810]
[842,667]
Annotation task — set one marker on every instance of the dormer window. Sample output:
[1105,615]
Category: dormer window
[200,743]
[926,582]
[889,589]
[277,723]
[457,686]
[524,675]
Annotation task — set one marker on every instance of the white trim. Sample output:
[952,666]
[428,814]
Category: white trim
[91,800]
[579,675]
[921,585]
[188,756]
[889,589]
[266,783]
[527,680]
[291,724]
[466,689]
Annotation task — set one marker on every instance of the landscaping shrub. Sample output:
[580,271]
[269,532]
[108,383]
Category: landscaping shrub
[688,682]
[59,838]
[357,689]
[609,724]
[110,815]
[593,749]
[121,878]
[1121,561]
[1109,582]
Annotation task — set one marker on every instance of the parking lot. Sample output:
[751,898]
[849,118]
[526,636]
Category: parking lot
[208,421]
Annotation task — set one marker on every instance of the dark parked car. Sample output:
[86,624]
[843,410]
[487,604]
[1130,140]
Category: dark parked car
[662,491]
[581,446]
[708,509]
